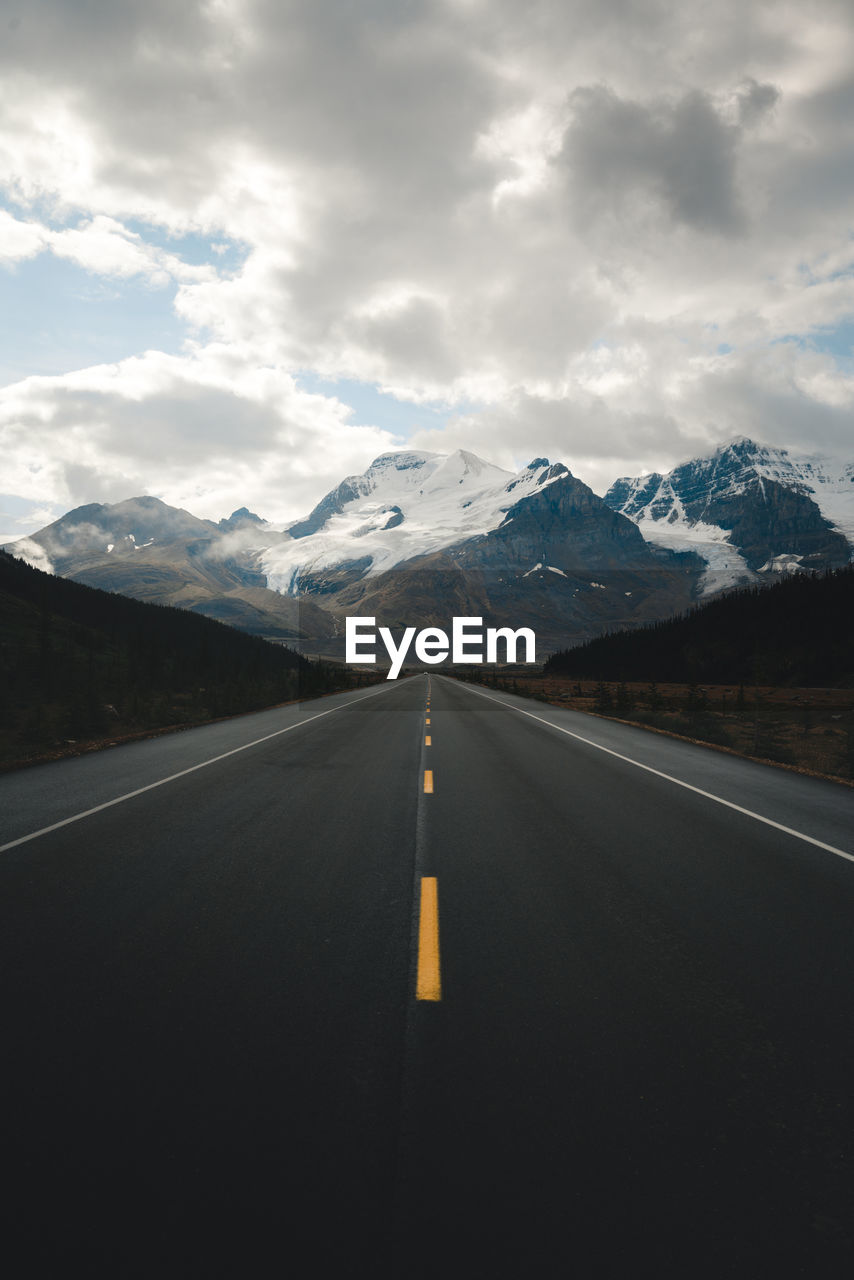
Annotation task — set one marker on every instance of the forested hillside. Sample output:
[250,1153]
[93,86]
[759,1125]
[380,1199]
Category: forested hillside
[799,632]
[77,663]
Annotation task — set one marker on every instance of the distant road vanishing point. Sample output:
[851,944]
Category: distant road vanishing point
[426,979]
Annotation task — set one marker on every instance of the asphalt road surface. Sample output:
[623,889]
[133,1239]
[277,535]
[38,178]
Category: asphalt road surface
[618,1043]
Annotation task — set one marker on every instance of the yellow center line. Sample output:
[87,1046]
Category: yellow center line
[428,782]
[427,721]
[429,981]
[428,741]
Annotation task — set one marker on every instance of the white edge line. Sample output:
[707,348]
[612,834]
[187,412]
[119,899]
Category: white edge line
[769,822]
[108,804]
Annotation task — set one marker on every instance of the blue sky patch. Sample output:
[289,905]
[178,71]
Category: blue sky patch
[56,317]
[22,516]
[376,408]
[225,255]
[834,340]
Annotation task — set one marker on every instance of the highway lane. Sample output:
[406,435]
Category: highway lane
[38,797]
[203,1000]
[645,1016]
[820,809]
[640,1062]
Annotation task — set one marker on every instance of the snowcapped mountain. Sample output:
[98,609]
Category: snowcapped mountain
[415,540]
[405,505]
[747,509]
[419,538]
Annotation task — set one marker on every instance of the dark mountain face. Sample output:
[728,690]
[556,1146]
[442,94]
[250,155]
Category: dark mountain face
[564,525]
[560,609]
[84,534]
[538,549]
[633,496]
[333,504]
[562,563]
[767,502]
[768,520]
[570,565]
[693,485]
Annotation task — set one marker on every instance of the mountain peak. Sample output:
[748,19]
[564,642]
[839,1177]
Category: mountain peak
[240,517]
[143,501]
[746,508]
[744,446]
[400,460]
[471,459]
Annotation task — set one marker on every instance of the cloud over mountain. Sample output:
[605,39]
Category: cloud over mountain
[631,219]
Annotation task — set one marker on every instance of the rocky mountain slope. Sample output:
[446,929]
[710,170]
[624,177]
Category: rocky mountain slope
[420,537]
[405,505]
[537,549]
[148,550]
[748,510]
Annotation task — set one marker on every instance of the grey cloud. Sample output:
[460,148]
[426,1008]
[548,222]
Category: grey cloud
[681,154]
[765,394]
[170,426]
[40,33]
[766,397]
[812,180]
[203,447]
[388,86]
[544,315]
[31,553]
[755,101]
[393,92]
[412,337]
[831,108]
[76,539]
[595,440]
[686,183]
[102,483]
[370,112]
[146,78]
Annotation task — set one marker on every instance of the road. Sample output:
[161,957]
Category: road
[633,1053]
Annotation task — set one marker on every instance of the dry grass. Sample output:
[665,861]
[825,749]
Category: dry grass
[811,730]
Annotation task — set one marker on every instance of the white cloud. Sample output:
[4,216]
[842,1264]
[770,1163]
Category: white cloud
[101,245]
[142,426]
[31,553]
[595,217]
[19,240]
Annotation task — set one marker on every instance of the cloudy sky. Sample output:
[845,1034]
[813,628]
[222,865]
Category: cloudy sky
[247,245]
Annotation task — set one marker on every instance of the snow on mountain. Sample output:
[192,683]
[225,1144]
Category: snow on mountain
[406,504]
[831,485]
[727,507]
[729,470]
[726,566]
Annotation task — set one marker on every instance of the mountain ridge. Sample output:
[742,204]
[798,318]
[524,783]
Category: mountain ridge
[419,537]
[145,549]
[720,506]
